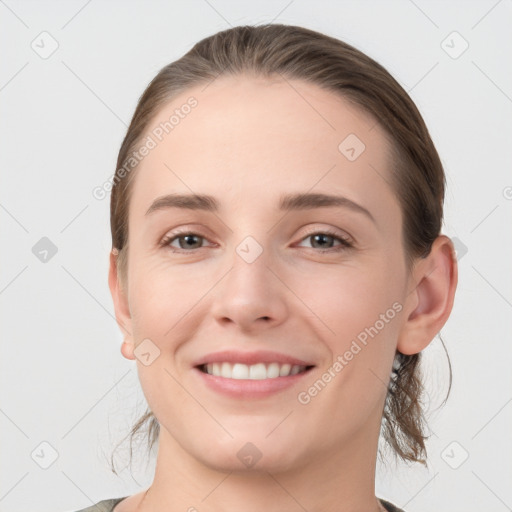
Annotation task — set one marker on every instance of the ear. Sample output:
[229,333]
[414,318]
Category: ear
[430,302]
[121,306]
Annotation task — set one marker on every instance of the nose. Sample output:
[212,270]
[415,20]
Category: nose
[251,296]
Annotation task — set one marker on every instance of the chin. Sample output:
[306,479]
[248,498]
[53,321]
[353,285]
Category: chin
[250,453]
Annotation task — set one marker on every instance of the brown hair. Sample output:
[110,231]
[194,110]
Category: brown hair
[417,173]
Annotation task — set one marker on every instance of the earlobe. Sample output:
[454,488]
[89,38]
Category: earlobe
[121,307]
[430,302]
[127,349]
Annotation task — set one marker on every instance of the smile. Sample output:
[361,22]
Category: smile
[258,371]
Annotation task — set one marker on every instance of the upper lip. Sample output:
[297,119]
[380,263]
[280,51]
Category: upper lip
[249,358]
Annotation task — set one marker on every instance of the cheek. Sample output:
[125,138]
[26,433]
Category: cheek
[347,300]
[162,310]
[340,300]
[160,295]
[359,317]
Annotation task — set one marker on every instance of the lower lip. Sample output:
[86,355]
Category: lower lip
[249,388]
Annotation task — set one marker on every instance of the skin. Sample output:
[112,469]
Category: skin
[247,142]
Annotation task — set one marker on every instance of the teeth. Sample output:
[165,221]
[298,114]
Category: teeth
[257,371]
[226,370]
[284,370]
[295,369]
[272,370]
[239,371]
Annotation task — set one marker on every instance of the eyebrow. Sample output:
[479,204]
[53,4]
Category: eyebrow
[289,202]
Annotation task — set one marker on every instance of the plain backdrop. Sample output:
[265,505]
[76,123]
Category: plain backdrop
[71,73]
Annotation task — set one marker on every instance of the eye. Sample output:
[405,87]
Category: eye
[187,241]
[324,239]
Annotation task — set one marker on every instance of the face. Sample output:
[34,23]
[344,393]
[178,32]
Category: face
[293,306]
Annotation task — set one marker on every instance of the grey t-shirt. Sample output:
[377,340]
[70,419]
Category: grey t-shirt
[108,506]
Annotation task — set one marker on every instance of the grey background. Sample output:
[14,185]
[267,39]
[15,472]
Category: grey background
[63,379]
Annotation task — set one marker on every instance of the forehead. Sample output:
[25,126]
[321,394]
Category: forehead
[248,140]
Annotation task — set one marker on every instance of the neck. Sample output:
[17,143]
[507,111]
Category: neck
[334,481]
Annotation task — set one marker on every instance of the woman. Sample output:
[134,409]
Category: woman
[277,267]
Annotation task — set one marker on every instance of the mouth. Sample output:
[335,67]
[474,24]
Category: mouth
[250,375]
[258,371]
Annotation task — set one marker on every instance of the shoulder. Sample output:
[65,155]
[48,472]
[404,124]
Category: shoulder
[103,505]
[109,504]
[389,506]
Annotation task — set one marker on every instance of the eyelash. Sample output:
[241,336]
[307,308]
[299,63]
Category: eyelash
[344,245]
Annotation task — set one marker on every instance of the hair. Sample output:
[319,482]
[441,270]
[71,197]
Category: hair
[418,179]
